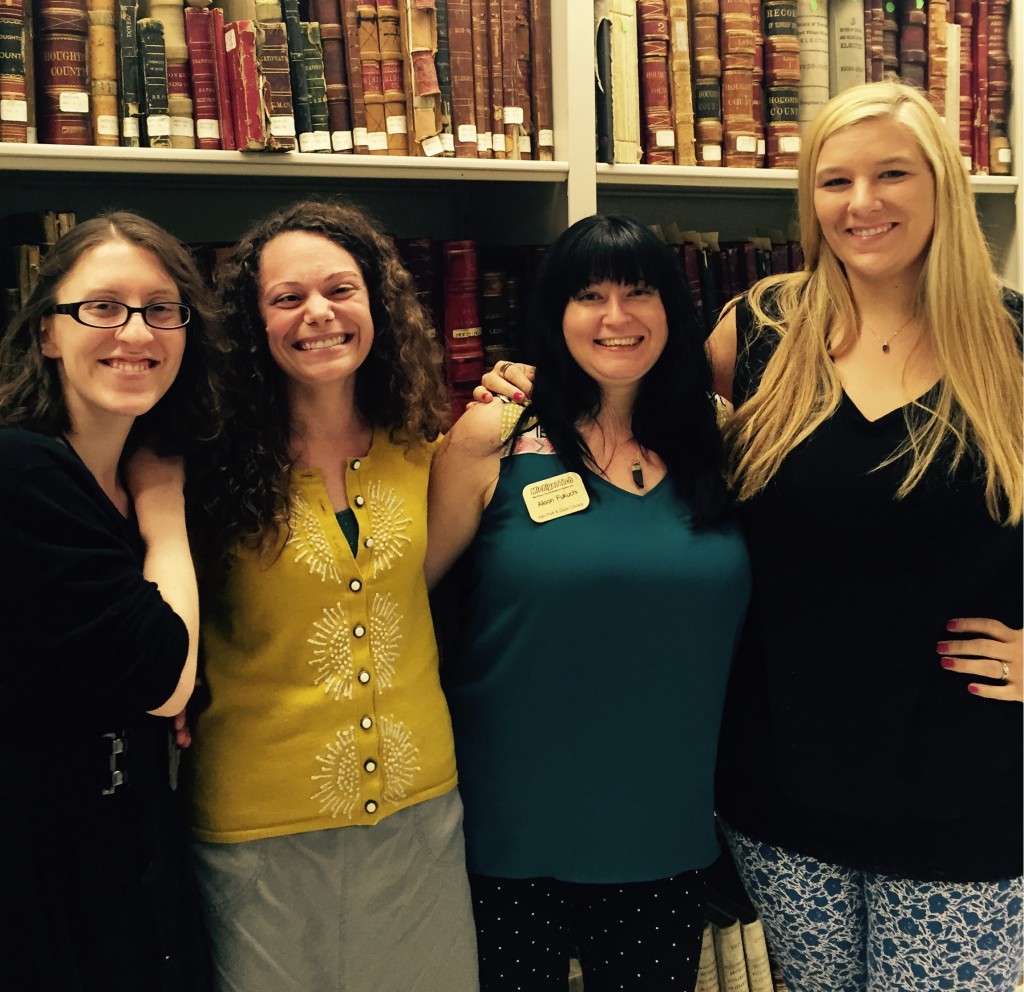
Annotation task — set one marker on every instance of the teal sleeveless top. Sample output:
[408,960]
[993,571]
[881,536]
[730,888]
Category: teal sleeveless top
[588,688]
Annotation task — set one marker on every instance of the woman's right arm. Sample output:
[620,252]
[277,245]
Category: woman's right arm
[463,475]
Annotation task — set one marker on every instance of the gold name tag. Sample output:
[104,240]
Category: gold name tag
[555,497]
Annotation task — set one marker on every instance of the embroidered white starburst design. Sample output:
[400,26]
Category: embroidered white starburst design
[338,776]
[332,652]
[385,636]
[389,525]
[398,759]
[310,541]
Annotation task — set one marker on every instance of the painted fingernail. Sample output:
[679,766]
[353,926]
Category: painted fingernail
[947,662]
[950,625]
[518,397]
[942,647]
[973,688]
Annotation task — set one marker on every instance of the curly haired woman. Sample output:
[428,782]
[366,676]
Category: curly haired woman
[324,800]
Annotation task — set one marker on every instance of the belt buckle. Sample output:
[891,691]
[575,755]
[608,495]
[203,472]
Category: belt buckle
[117,759]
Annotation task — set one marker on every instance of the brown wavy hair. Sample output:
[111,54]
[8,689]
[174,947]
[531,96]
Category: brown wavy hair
[400,386]
[31,392]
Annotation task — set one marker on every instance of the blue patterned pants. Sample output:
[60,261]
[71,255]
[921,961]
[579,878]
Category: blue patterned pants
[835,929]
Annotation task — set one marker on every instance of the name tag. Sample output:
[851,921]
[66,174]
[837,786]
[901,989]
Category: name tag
[555,497]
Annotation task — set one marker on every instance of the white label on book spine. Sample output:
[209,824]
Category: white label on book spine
[341,141]
[546,138]
[106,124]
[498,142]
[208,129]
[183,127]
[761,147]
[512,115]
[359,136]
[746,143]
[665,139]
[130,127]
[680,39]
[447,140]
[306,142]
[432,146]
[525,145]
[396,124]
[967,161]
[282,125]
[483,141]
[229,39]
[74,102]
[1003,156]
[467,133]
[158,126]
[14,110]
[466,332]
[376,141]
[711,153]
[789,144]
[321,141]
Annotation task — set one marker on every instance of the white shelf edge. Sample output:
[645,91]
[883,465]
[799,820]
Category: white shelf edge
[273,165]
[661,177]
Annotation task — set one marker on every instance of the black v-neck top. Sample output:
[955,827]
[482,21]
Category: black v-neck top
[843,737]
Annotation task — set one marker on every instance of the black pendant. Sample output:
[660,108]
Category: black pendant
[885,347]
[638,475]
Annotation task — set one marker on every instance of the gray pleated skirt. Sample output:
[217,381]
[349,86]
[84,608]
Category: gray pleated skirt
[357,909]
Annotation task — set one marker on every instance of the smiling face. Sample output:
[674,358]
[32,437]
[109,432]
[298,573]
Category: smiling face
[113,372]
[316,309]
[874,196]
[615,332]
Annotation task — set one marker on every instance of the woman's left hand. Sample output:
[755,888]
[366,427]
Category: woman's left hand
[996,653]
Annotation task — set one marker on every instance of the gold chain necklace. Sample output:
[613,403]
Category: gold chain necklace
[892,337]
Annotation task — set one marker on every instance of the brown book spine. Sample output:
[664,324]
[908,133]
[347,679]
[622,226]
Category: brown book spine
[222,80]
[655,101]
[497,53]
[936,63]
[739,140]
[782,83]
[1000,156]
[272,54]
[103,72]
[248,101]
[757,104]
[13,101]
[156,118]
[890,39]
[29,48]
[202,61]
[707,81]
[339,115]
[877,43]
[913,43]
[353,64]
[681,82]
[980,143]
[63,79]
[963,15]
[396,122]
[521,78]
[460,50]
[482,78]
[373,81]
[540,80]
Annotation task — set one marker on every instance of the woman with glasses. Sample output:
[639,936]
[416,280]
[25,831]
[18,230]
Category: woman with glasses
[105,384]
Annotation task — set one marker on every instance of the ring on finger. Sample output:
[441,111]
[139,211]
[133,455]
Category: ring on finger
[503,368]
[1006,672]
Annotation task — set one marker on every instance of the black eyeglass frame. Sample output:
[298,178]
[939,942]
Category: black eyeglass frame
[73,310]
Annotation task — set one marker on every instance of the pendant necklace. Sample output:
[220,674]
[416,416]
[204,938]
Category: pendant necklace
[637,470]
[892,337]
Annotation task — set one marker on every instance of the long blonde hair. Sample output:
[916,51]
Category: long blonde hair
[978,407]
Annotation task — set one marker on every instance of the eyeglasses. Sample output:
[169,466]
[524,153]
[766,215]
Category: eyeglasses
[107,313]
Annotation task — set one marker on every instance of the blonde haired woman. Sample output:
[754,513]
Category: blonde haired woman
[870,763]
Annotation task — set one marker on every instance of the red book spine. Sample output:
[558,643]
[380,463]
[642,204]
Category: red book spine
[222,80]
[482,77]
[655,102]
[460,53]
[13,103]
[540,65]
[202,61]
[62,73]
[353,62]
[979,148]
[963,14]
[247,99]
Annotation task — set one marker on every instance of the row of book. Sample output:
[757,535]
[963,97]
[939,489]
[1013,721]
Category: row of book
[476,294]
[450,78]
[734,82]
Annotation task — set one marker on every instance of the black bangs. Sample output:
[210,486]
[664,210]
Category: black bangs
[605,249]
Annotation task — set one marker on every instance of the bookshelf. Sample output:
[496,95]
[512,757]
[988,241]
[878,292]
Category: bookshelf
[210,196]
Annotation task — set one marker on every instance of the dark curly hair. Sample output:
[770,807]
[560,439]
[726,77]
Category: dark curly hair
[31,393]
[673,413]
[400,386]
